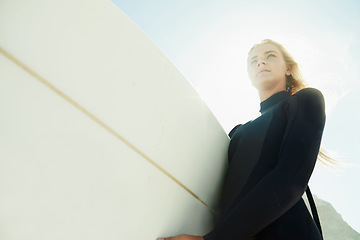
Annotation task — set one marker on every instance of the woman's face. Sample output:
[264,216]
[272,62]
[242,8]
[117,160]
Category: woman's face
[267,68]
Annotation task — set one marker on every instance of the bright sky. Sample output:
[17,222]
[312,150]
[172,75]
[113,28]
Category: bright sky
[209,40]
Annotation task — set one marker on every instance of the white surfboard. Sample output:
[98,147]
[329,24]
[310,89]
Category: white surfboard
[101,137]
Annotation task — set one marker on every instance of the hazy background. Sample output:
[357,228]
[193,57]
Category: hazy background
[209,41]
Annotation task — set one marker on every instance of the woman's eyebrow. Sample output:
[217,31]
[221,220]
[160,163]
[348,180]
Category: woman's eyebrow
[267,52]
[252,58]
[270,52]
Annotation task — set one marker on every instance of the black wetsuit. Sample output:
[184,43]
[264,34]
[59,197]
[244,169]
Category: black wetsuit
[270,162]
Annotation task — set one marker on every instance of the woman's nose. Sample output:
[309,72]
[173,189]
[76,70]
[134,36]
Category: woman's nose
[261,62]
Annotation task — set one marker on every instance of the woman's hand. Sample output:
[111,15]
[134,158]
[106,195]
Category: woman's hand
[182,237]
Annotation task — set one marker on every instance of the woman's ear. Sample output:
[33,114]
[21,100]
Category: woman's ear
[288,71]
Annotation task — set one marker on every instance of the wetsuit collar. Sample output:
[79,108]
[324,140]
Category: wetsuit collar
[271,101]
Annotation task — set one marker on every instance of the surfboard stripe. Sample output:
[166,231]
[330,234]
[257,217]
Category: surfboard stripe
[98,121]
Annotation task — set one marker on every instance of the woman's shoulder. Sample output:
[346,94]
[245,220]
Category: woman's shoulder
[309,92]
[310,100]
[231,133]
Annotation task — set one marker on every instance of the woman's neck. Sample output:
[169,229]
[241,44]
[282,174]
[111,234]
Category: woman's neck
[266,93]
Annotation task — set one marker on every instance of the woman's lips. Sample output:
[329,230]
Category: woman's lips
[262,71]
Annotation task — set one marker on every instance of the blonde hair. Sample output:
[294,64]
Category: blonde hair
[294,83]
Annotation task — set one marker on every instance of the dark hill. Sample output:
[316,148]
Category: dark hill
[333,225]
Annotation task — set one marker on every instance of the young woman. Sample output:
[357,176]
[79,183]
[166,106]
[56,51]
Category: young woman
[272,157]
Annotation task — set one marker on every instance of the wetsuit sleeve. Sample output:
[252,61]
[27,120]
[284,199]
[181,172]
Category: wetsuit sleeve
[281,188]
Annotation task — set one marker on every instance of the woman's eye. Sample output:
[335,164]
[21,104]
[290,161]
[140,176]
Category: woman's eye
[253,61]
[271,55]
